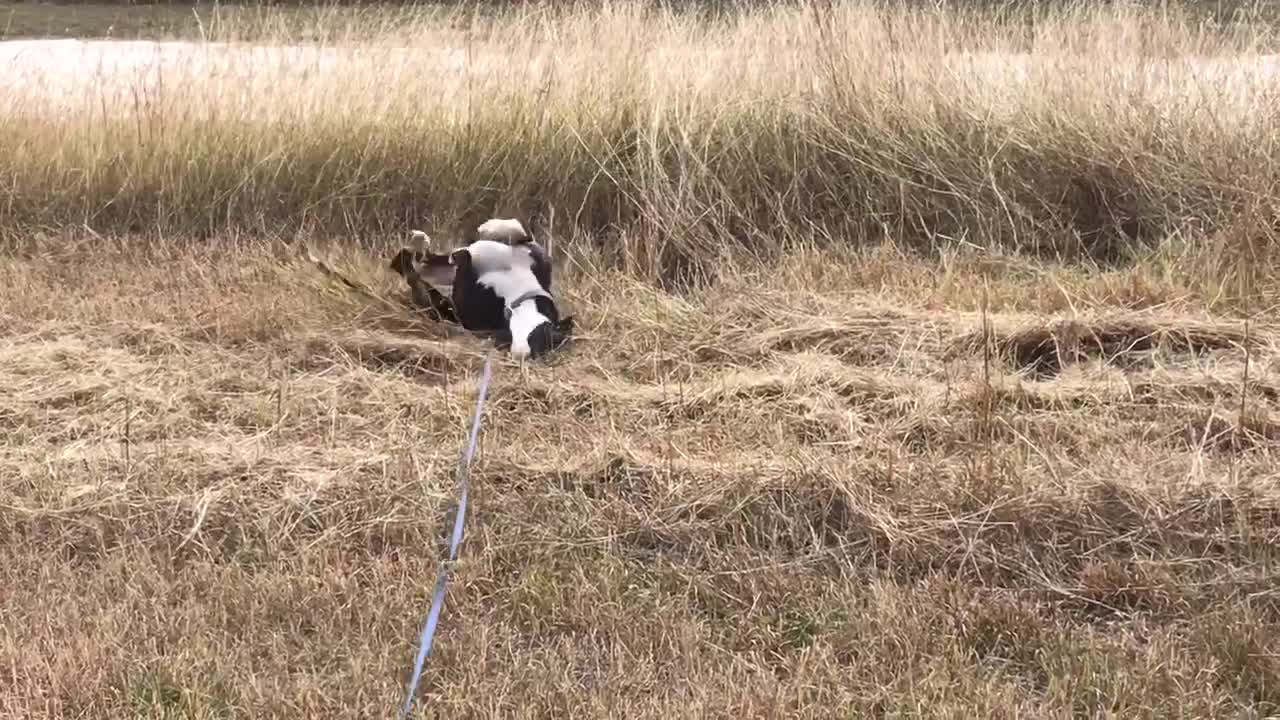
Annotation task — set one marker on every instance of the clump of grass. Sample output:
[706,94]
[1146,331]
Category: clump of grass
[1074,131]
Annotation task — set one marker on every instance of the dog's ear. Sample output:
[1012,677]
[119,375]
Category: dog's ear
[561,331]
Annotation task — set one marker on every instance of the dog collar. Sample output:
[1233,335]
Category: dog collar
[510,307]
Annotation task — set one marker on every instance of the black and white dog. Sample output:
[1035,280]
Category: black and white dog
[500,284]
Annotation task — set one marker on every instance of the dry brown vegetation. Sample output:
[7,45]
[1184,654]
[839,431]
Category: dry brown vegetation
[225,481]
[926,471]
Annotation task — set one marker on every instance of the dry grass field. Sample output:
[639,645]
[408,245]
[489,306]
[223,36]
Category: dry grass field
[929,366]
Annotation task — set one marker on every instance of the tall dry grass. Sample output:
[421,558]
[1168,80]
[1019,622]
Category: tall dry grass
[1080,129]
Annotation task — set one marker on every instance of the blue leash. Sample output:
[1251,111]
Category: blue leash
[437,601]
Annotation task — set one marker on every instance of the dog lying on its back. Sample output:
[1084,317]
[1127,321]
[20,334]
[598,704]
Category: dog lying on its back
[507,286]
[499,284]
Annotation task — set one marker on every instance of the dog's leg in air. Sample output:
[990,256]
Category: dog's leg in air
[421,293]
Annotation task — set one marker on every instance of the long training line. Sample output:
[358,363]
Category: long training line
[442,576]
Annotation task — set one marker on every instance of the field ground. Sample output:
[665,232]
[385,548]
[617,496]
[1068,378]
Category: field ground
[958,400]
[225,478]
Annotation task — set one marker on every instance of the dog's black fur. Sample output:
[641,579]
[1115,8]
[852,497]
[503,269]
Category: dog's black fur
[478,307]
